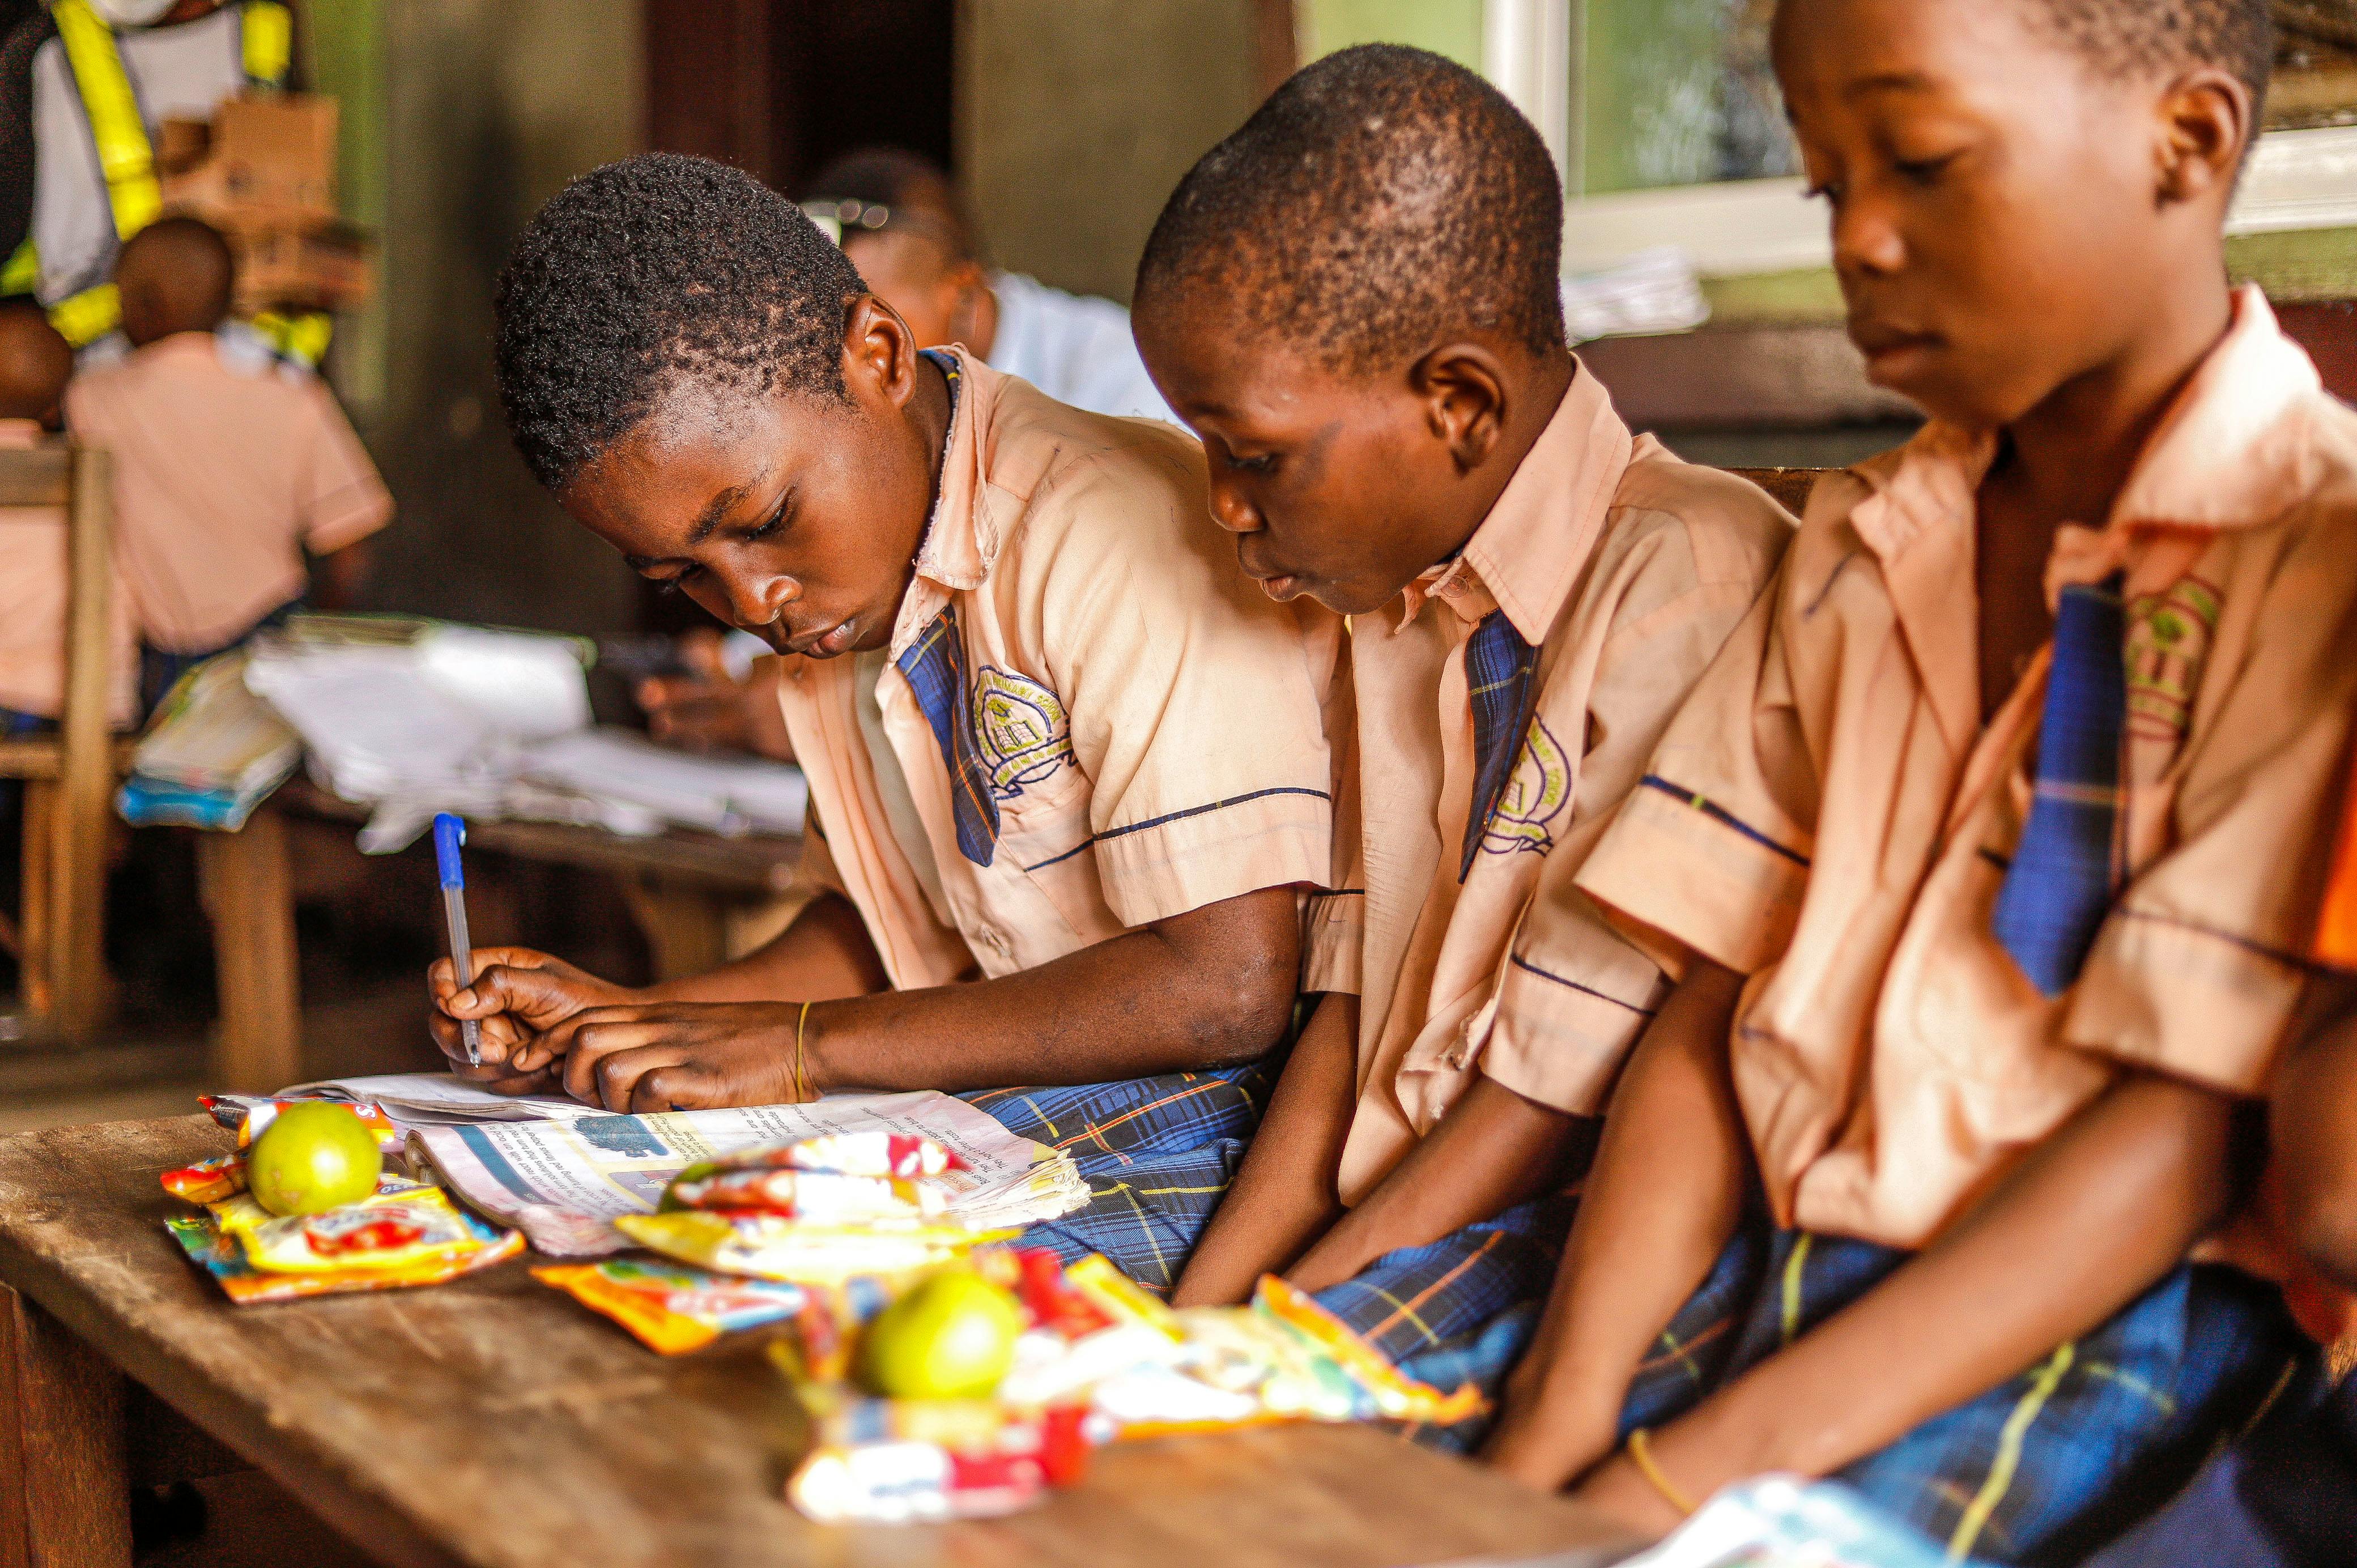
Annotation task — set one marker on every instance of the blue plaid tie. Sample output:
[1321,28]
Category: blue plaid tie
[2063,874]
[1498,668]
[935,666]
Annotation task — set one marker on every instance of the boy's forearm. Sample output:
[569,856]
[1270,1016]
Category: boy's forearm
[1283,1196]
[823,955]
[1664,1195]
[2114,1200]
[1493,1149]
[1210,988]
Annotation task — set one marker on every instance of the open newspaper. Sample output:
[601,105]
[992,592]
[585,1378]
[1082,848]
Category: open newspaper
[561,1171]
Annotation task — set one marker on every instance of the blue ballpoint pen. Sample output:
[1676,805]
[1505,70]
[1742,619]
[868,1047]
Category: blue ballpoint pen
[450,833]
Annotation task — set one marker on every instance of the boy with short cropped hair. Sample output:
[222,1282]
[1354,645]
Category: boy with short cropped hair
[235,478]
[1990,846]
[1353,301]
[1066,766]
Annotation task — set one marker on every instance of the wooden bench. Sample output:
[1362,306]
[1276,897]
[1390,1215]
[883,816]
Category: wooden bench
[699,899]
[495,1422]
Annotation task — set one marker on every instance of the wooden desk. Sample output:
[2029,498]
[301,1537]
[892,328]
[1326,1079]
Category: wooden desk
[494,1421]
[694,894]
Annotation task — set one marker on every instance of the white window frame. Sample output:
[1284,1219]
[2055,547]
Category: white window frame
[2297,179]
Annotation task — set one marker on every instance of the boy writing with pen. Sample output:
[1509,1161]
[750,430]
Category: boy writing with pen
[1068,767]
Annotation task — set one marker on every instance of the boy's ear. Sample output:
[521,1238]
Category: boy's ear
[1463,388]
[2205,125]
[878,348]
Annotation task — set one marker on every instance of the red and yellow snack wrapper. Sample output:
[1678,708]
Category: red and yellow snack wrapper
[250,1117]
[828,1197]
[673,1307]
[407,1228]
[208,1181]
[904,1461]
[222,1255]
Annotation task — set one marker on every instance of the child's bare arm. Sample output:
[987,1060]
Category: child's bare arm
[2113,1200]
[1284,1196]
[1664,1195]
[2312,1124]
[1493,1149]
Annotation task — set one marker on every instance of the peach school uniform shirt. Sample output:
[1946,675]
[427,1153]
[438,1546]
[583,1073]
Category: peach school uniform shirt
[1098,721]
[1829,817]
[226,471]
[1620,570]
[33,592]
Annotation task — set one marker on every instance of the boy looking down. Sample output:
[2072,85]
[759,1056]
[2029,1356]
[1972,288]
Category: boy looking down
[1989,847]
[1057,745]
[1353,301]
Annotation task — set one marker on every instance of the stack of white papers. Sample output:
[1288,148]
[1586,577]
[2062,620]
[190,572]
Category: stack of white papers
[495,724]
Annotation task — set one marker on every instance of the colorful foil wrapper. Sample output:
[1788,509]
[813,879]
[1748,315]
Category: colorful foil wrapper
[405,1229]
[916,1461]
[672,1307]
[828,1197]
[773,1247]
[249,1117]
[222,1255]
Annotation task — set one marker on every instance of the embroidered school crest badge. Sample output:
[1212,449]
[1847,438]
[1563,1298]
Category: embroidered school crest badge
[1020,731]
[1535,794]
[2168,642]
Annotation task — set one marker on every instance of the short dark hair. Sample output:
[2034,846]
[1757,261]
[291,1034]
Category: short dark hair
[2122,36]
[654,272]
[895,176]
[1381,198]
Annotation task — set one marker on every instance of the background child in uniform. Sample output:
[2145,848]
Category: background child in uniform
[229,473]
[1992,905]
[1353,301]
[1057,745]
[35,366]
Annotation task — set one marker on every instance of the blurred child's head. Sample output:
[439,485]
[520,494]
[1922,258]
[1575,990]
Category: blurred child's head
[2021,190]
[175,275]
[34,364]
[1355,302]
[922,259]
[705,382]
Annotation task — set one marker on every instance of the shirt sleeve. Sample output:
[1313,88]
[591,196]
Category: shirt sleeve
[343,500]
[2198,969]
[1196,703]
[1711,847]
[1575,993]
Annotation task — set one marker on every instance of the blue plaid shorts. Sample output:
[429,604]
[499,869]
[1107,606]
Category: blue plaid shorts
[1158,1153]
[1461,1309]
[2047,1467]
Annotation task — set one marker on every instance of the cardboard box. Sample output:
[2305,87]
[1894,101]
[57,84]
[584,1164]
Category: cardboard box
[263,160]
[318,267]
[262,171]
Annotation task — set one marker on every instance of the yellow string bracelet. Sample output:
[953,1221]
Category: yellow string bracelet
[802,1078]
[1641,1454]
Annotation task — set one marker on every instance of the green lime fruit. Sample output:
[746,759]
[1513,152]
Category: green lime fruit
[312,1157]
[952,1337]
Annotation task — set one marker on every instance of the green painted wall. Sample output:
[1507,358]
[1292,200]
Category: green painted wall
[1451,27]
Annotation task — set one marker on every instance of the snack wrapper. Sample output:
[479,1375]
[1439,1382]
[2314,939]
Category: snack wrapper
[208,1181]
[222,1255]
[774,1247]
[407,1227]
[673,1307]
[1301,1361]
[827,1197]
[906,1461]
[251,1116]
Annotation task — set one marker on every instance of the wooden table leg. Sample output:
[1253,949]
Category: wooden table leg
[65,1485]
[687,928]
[258,1046]
[37,933]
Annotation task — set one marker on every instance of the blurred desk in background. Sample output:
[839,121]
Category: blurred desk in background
[699,900]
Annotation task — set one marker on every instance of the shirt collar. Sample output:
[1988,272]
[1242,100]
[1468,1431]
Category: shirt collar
[1531,549]
[2234,450]
[960,544]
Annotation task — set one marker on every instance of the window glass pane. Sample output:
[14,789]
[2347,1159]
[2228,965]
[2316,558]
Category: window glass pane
[1678,92]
